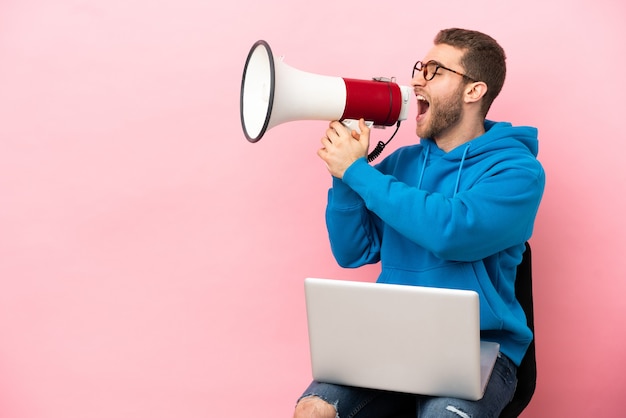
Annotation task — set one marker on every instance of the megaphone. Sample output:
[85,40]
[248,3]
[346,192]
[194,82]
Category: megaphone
[273,93]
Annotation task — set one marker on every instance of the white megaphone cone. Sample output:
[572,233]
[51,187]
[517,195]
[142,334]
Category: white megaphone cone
[273,93]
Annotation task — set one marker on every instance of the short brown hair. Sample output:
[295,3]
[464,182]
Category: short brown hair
[483,59]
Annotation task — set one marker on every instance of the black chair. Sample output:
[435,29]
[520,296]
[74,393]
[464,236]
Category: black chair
[527,370]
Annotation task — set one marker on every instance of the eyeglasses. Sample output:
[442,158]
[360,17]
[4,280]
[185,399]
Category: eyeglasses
[430,70]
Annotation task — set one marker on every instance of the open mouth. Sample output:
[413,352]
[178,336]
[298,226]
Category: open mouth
[422,106]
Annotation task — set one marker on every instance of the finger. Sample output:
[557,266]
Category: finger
[363,126]
[331,133]
[337,128]
[323,154]
[335,124]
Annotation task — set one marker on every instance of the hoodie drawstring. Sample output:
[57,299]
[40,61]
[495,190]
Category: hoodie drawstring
[458,176]
[419,182]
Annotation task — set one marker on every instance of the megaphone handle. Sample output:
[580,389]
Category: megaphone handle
[353,124]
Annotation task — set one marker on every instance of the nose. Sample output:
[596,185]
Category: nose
[418,79]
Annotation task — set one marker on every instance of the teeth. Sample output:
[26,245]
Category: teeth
[421,98]
[422,104]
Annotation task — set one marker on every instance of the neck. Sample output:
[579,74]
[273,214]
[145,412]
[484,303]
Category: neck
[459,134]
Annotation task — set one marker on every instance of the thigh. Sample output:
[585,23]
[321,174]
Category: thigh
[352,402]
[498,394]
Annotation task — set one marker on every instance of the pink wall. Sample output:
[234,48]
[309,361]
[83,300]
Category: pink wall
[151,259]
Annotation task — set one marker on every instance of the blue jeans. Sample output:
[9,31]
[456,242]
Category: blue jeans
[351,402]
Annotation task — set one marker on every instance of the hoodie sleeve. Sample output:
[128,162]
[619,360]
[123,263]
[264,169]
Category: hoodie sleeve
[466,227]
[352,228]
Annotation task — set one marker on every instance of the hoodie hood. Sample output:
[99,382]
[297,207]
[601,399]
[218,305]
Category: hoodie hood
[498,136]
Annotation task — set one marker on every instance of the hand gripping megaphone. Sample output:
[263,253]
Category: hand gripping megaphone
[273,93]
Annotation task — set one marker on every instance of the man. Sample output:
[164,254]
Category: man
[453,211]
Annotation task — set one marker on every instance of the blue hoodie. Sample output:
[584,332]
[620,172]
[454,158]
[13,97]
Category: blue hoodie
[456,220]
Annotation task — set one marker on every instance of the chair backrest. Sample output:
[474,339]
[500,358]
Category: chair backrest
[527,371]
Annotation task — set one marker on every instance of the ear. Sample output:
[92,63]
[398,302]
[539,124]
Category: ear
[475,91]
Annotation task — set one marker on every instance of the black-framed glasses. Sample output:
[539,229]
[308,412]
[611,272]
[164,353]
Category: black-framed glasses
[430,70]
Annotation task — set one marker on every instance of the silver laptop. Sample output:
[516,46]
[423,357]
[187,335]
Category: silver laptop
[400,338]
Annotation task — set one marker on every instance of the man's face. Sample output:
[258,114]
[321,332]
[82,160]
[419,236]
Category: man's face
[440,100]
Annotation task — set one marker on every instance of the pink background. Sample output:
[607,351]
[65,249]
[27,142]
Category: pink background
[151,259]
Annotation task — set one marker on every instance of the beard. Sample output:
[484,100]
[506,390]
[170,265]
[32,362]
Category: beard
[443,114]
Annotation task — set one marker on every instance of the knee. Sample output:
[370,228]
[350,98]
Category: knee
[314,407]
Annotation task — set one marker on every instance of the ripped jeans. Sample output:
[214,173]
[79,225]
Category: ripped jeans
[351,402]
